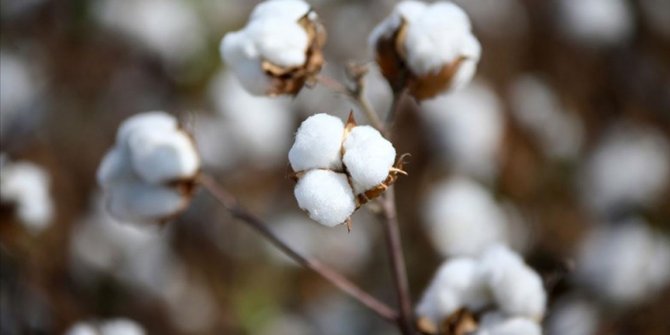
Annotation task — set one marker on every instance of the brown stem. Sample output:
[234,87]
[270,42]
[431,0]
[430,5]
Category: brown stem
[232,205]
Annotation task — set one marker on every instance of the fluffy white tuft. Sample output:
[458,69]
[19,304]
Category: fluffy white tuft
[318,144]
[368,157]
[159,157]
[326,196]
[26,185]
[495,323]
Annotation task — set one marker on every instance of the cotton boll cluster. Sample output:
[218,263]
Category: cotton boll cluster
[427,48]
[499,278]
[468,127]
[107,327]
[339,167]
[463,219]
[170,28]
[630,167]
[537,108]
[148,175]
[596,22]
[573,316]
[279,50]
[255,130]
[624,264]
[26,186]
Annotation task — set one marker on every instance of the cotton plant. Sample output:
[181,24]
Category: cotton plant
[279,50]
[339,167]
[427,49]
[149,174]
[26,187]
[505,292]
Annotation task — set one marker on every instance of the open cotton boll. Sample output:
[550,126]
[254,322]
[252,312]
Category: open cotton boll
[139,202]
[596,22]
[368,157]
[318,144]
[116,165]
[630,167]
[468,126]
[463,219]
[495,323]
[160,156]
[326,196]
[291,10]
[153,120]
[280,43]
[517,289]
[26,186]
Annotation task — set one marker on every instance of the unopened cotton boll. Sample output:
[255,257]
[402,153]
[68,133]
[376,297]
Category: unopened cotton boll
[148,174]
[318,144]
[428,48]
[495,323]
[278,50]
[326,196]
[368,157]
[26,186]
[517,289]
[462,218]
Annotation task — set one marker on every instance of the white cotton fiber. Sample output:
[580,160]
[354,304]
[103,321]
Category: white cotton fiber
[280,43]
[160,156]
[286,9]
[495,323]
[115,165]
[368,157]
[326,196]
[26,186]
[139,202]
[595,23]
[318,144]
[516,288]
[156,120]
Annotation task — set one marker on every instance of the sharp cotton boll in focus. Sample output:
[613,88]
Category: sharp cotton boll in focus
[26,186]
[326,196]
[468,126]
[463,219]
[318,143]
[368,157]
[428,48]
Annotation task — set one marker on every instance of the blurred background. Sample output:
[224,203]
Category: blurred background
[559,148]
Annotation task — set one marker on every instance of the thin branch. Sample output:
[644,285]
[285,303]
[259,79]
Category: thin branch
[236,210]
[357,94]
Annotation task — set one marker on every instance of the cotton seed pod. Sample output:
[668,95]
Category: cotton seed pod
[149,174]
[279,50]
[426,48]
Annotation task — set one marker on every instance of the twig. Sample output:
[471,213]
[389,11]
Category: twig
[236,210]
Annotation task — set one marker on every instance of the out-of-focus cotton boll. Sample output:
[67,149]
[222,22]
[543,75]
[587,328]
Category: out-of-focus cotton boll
[19,91]
[625,264]
[26,186]
[146,175]
[596,22]
[517,289]
[467,126]
[630,167]
[261,128]
[170,28]
[657,15]
[317,145]
[274,42]
[497,17]
[119,326]
[368,157]
[573,316]
[345,252]
[463,219]
[537,108]
[326,196]
[434,38]
[496,323]
[456,284]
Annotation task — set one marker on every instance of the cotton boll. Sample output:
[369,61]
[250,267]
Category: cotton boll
[318,142]
[153,120]
[629,167]
[596,22]
[116,165]
[280,43]
[494,323]
[326,196]
[368,157]
[26,185]
[139,202]
[573,316]
[463,219]
[516,288]
[159,156]
[625,264]
[239,52]
[537,108]
[468,127]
